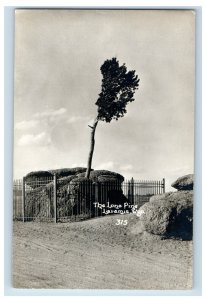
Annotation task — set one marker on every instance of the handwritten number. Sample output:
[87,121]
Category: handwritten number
[121,222]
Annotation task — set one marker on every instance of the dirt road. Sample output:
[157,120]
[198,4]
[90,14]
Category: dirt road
[98,254]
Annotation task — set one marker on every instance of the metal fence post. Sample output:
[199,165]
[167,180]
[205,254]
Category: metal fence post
[132,190]
[96,197]
[163,183]
[23,199]
[55,198]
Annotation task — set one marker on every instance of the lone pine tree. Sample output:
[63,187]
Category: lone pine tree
[118,88]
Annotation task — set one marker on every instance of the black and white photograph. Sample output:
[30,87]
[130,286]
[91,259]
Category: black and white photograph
[103,150]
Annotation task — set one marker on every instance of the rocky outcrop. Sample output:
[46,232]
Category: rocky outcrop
[67,171]
[37,179]
[103,176]
[184,183]
[75,193]
[103,186]
[169,215]
[33,179]
[40,204]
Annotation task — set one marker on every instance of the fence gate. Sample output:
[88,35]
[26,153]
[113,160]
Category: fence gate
[57,199]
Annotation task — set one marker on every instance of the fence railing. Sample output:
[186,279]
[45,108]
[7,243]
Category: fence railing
[60,199]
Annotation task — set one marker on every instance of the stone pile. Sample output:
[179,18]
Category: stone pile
[170,215]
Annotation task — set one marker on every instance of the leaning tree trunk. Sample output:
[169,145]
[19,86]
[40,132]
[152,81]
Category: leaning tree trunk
[92,143]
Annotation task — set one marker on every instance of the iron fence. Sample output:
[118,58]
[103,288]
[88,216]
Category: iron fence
[62,199]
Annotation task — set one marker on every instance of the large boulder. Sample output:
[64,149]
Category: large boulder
[104,175]
[75,193]
[39,202]
[67,171]
[40,178]
[103,186]
[184,183]
[169,215]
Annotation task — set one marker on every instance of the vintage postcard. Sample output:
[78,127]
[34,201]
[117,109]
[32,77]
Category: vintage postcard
[103,149]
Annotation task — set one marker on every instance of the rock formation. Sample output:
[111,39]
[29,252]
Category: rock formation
[184,183]
[75,193]
[170,214]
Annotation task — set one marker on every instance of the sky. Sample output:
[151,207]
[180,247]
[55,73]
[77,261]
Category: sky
[57,79]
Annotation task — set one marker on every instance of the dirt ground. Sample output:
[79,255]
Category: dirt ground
[98,254]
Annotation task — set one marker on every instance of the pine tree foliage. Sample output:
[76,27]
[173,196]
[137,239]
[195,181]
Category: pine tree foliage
[118,88]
